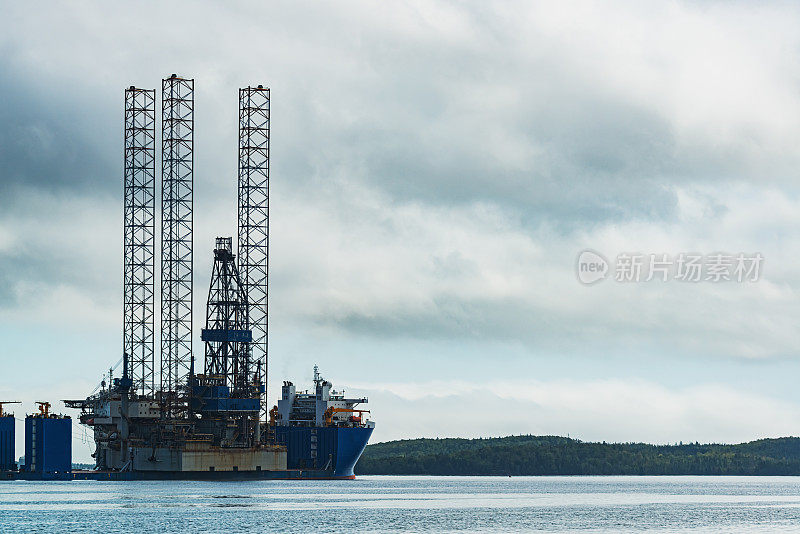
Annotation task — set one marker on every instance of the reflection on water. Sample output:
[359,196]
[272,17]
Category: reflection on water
[378,503]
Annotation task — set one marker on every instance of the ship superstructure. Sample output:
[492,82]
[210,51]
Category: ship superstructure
[206,417]
[321,429]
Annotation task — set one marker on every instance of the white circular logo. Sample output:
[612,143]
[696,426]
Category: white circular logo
[591,267]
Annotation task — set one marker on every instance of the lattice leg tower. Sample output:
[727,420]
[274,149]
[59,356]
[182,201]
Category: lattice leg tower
[139,237]
[254,221]
[177,158]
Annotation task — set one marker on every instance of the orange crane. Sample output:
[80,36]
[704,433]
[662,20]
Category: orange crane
[273,416]
[330,411]
[44,408]
[6,402]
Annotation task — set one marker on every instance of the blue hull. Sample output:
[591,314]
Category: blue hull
[337,449]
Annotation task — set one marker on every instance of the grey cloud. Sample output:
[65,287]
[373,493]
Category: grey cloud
[609,168]
[640,330]
[52,140]
[414,113]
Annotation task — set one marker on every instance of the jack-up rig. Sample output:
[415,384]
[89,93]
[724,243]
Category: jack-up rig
[214,423]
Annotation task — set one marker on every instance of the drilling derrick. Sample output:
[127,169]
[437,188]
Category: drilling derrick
[225,333]
[253,246]
[229,388]
[177,156]
[139,237]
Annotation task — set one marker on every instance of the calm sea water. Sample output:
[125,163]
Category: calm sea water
[417,504]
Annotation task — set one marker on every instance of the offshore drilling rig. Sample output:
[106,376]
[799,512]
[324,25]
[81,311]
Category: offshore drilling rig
[211,423]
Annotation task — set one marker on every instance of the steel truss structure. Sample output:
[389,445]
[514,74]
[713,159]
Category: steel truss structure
[227,339]
[139,237]
[253,246]
[177,158]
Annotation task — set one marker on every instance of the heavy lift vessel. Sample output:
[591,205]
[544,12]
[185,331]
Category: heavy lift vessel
[211,424]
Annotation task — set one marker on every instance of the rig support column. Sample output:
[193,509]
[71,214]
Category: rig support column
[177,158]
[139,237]
[253,246]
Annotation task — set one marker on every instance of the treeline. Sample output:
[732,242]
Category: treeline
[553,455]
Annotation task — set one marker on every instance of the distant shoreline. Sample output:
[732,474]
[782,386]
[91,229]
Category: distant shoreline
[560,456]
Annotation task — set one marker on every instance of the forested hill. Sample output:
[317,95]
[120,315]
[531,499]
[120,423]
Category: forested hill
[553,455]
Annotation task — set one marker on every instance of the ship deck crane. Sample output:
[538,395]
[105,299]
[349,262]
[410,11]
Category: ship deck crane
[44,408]
[2,413]
[330,411]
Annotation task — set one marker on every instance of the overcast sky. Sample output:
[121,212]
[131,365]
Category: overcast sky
[436,169]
